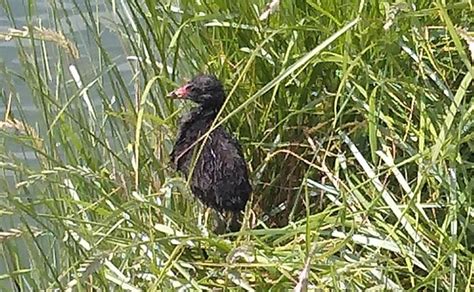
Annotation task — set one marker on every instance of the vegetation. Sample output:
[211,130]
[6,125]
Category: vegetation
[356,118]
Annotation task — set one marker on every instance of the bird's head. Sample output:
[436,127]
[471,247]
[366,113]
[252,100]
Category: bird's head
[203,89]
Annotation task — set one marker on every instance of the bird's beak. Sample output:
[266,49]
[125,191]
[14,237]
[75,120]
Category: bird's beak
[180,93]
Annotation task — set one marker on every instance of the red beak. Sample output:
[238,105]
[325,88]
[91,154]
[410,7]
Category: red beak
[180,93]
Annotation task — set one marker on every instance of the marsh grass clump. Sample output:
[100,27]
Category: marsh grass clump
[355,120]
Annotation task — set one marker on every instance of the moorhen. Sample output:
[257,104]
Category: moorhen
[220,176]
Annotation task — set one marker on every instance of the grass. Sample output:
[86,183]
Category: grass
[355,118]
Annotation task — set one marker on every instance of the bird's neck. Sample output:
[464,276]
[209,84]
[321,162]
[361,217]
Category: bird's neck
[199,116]
[203,112]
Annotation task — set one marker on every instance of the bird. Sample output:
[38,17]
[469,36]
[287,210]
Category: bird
[219,176]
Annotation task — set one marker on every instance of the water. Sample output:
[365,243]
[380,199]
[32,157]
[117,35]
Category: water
[9,62]
[83,40]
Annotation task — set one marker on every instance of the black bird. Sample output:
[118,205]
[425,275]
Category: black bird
[220,176]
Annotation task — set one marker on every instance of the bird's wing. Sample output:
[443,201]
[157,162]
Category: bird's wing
[234,185]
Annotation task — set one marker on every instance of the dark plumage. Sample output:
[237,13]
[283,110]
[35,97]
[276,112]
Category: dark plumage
[220,177]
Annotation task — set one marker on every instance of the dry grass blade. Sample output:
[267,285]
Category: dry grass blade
[17,233]
[269,9]
[43,34]
[469,38]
